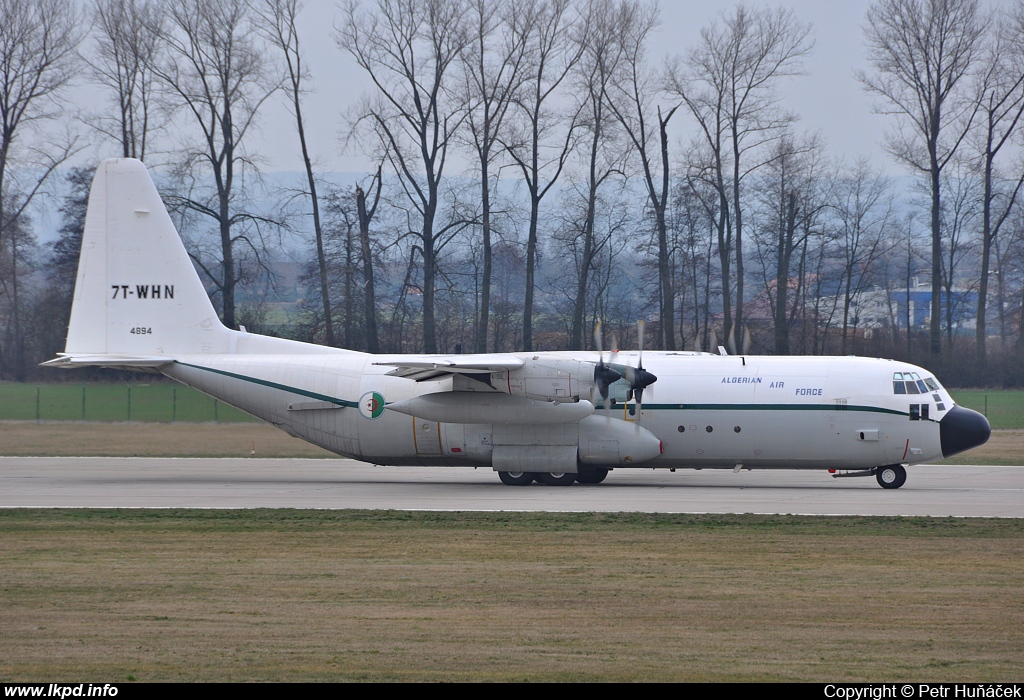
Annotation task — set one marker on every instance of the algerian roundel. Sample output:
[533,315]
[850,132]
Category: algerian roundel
[371,405]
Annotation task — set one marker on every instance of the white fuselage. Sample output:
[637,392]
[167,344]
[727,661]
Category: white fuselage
[708,411]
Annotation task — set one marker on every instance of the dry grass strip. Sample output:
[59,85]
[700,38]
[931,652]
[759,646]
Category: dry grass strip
[78,439]
[75,439]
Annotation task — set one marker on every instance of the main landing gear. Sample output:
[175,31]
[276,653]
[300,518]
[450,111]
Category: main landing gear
[592,475]
[891,477]
[516,478]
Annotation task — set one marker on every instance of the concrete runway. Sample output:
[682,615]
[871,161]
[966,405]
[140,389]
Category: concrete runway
[101,482]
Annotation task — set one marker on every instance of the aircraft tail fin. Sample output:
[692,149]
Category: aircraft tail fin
[137,294]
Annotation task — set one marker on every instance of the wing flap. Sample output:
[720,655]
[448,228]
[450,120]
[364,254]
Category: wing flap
[426,367]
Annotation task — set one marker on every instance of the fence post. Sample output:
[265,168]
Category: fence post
[216,419]
[174,404]
[83,402]
[986,404]
[37,403]
[129,403]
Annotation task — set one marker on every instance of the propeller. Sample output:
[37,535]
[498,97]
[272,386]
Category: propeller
[637,377]
[604,376]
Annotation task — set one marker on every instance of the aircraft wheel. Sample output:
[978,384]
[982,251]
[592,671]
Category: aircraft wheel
[594,475]
[556,479]
[891,477]
[516,478]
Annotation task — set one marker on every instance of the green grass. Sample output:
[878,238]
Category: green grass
[158,402]
[1004,409]
[298,595]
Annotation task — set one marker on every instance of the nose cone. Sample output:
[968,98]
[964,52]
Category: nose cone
[961,429]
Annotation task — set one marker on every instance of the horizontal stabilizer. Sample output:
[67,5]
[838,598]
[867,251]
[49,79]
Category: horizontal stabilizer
[109,361]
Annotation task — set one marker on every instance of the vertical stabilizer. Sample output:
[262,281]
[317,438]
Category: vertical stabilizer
[137,292]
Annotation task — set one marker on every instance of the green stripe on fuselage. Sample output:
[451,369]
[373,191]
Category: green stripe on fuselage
[760,407]
[275,385]
[599,406]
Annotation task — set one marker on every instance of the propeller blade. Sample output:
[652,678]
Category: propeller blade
[637,377]
[604,376]
[641,327]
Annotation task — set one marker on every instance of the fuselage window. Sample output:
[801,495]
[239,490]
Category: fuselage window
[897,383]
[924,411]
[915,411]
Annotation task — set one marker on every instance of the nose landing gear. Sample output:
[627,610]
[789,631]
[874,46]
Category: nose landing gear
[891,476]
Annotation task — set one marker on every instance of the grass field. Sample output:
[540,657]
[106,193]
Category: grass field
[113,402]
[1004,409]
[353,595]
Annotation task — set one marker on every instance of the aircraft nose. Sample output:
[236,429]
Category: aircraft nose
[961,429]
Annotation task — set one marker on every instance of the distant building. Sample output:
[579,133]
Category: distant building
[893,308]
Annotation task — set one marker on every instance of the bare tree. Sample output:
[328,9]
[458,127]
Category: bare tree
[693,239]
[217,72]
[791,192]
[632,95]
[38,41]
[1000,94]
[409,49]
[922,51]
[595,72]
[961,208]
[127,47]
[535,145]
[728,84]
[493,67]
[279,25]
[365,214]
[863,213]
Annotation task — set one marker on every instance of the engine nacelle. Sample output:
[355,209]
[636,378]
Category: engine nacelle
[548,379]
[607,442]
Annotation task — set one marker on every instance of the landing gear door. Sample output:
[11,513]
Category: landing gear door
[426,435]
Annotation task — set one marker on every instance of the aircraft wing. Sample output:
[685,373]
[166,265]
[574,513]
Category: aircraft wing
[422,368]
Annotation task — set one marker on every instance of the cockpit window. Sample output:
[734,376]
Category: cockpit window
[912,383]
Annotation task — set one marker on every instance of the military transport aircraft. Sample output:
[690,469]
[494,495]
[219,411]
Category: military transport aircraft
[551,417]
